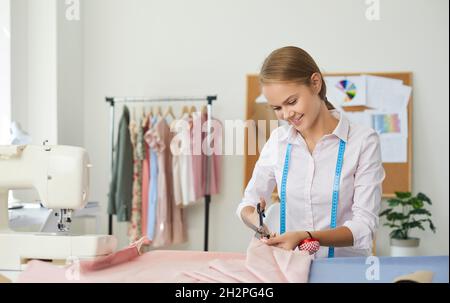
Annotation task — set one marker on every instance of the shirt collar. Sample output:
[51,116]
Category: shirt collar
[341,131]
[343,126]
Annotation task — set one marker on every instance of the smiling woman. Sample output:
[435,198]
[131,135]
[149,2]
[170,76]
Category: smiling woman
[328,171]
[5,71]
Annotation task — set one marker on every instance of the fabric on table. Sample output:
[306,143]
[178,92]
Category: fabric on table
[262,264]
[159,266]
[125,255]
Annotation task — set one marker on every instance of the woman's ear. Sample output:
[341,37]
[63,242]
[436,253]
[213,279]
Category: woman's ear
[316,82]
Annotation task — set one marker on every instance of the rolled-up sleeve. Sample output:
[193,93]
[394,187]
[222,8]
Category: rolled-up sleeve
[367,196]
[262,182]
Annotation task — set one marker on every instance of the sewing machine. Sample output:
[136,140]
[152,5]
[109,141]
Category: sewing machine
[60,175]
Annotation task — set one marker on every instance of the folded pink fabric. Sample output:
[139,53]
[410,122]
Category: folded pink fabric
[262,264]
[236,269]
[152,267]
[125,255]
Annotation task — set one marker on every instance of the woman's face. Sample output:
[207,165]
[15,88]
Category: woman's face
[298,104]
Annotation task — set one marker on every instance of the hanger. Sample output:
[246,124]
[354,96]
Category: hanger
[169,112]
[147,117]
[192,110]
[204,109]
[185,109]
[158,111]
[133,113]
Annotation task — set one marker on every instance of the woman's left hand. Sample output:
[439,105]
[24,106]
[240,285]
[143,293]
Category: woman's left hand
[288,241]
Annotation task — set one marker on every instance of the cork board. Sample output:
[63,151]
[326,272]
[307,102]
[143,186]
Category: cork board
[398,175]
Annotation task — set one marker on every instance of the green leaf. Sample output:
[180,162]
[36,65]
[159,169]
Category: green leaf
[419,211]
[394,202]
[431,225]
[385,212]
[423,197]
[397,234]
[392,225]
[393,216]
[413,224]
[416,203]
[403,195]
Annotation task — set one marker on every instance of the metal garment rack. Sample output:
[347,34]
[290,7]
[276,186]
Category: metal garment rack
[209,99]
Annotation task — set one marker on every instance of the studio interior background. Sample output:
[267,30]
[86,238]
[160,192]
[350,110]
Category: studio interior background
[60,59]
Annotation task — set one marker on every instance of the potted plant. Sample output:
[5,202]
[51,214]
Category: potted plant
[405,213]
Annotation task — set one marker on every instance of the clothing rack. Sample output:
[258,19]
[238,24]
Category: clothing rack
[209,99]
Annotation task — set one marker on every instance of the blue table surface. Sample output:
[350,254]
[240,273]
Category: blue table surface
[353,270]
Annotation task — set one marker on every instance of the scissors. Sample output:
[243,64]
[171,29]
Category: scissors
[261,230]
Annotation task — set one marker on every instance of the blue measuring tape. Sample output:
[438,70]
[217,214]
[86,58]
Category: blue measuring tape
[335,199]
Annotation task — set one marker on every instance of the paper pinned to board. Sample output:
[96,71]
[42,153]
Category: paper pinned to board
[345,91]
[394,149]
[386,100]
[390,123]
[392,129]
[360,118]
[387,94]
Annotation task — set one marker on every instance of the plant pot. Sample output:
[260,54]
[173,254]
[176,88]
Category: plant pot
[404,247]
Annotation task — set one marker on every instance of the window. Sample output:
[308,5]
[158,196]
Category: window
[5,71]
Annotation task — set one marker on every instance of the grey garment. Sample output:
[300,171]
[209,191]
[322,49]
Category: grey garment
[121,187]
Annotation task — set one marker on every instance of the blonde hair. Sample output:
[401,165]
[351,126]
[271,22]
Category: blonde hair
[292,64]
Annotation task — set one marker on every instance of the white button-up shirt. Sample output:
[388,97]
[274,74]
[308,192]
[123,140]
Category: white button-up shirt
[310,180]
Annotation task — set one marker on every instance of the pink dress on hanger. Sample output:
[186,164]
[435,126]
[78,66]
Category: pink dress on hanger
[200,159]
[145,181]
[169,220]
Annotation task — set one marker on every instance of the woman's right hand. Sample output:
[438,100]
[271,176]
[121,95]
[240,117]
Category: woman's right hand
[250,216]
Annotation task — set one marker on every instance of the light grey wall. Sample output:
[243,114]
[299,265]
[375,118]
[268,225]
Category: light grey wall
[19,61]
[5,71]
[34,68]
[143,47]
[70,78]
[47,71]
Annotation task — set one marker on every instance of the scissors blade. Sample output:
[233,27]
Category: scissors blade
[259,231]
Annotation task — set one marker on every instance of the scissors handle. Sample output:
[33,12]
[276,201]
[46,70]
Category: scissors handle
[261,216]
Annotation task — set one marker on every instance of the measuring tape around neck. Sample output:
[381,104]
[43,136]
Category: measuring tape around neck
[335,199]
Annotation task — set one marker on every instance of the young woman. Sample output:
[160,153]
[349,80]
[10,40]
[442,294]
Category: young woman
[328,171]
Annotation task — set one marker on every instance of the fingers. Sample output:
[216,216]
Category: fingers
[274,240]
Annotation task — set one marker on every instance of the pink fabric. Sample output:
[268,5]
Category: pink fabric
[199,158]
[216,163]
[170,227]
[120,257]
[153,267]
[145,183]
[263,264]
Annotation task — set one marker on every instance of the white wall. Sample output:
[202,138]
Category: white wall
[46,73]
[34,65]
[19,62]
[143,47]
[70,78]
[42,71]
[5,71]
